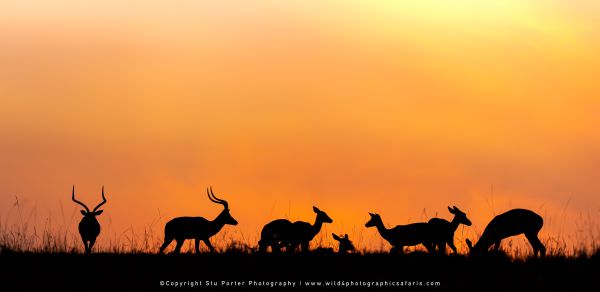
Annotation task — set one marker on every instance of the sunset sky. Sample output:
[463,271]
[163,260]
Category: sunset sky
[395,107]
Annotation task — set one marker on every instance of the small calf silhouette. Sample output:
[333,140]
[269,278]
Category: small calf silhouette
[442,231]
[511,223]
[283,233]
[402,235]
[89,228]
[345,245]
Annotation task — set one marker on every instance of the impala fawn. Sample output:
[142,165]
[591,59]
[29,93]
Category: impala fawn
[345,245]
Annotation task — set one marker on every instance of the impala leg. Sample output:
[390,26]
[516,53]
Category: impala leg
[430,246]
[305,247]
[497,245]
[262,246]
[397,249]
[207,242]
[542,247]
[197,245]
[536,244]
[179,245]
[91,244]
[290,247]
[165,244]
[451,245]
[280,245]
[85,246]
[441,247]
[275,247]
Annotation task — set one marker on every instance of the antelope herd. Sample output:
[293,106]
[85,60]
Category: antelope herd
[280,234]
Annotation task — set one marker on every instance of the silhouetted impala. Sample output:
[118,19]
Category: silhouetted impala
[402,235]
[89,228]
[282,232]
[345,245]
[442,231]
[513,222]
[197,228]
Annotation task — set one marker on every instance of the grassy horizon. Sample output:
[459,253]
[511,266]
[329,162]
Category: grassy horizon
[19,235]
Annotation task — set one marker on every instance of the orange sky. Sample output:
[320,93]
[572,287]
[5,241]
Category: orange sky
[396,107]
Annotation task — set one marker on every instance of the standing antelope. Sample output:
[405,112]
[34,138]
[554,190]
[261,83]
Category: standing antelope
[282,232]
[442,231]
[511,223]
[198,228]
[402,235]
[89,228]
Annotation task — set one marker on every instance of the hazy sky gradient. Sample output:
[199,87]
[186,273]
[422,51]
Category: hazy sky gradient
[396,107]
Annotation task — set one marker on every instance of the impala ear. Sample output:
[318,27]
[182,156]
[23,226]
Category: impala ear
[83,212]
[346,236]
[451,210]
[335,236]
[99,212]
[316,209]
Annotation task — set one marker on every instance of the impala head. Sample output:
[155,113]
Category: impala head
[322,216]
[345,243]
[475,249]
[87,212]
[375,220]
[460,216]
[225,216]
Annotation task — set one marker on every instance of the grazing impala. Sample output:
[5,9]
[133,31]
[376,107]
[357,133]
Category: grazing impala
[402,235]
[89,228]
[283,233]
[442,231]
[197,228]
[511,223]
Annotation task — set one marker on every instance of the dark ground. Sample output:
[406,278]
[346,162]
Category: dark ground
[144,272]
